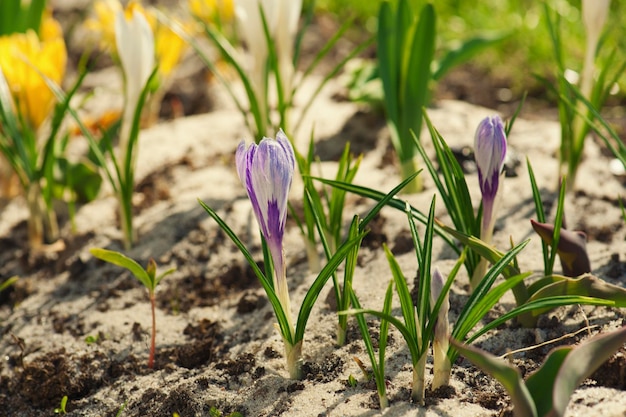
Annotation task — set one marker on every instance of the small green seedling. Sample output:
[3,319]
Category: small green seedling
[121,410]
[214,412]
[61,408]
[146,276]
[6,284]
[352,382]
[547,391]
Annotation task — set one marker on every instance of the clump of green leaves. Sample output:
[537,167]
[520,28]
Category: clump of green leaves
[377,361]
[148,277]
[547,391]
[578,107]
[329,204]
[406,40]
[274,51]
[17,16]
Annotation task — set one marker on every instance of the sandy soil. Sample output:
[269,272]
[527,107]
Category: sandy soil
[216,343]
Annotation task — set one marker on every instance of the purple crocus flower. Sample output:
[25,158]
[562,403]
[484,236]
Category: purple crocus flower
[266,170]
[489,152]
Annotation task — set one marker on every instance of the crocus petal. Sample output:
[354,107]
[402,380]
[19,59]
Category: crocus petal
[594,15]
[135,47]
[572,248]
[266,170]
[489,152]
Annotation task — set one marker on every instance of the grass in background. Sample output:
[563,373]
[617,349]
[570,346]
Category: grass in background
[526,52]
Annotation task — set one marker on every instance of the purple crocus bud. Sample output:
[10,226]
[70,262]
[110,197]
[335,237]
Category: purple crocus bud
[489,152]
[266,170]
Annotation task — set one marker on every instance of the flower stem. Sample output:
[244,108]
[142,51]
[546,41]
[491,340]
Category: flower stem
[126,220]
[293,353]
[419,387]
[408,168]
[153,337]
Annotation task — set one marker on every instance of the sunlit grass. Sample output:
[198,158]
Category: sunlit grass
[526,51]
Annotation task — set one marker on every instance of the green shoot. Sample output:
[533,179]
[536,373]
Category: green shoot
[147,277]
[61,408]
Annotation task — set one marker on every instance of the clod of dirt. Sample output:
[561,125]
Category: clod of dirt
[249,302]
[44,381]
[612,373]
[243,363]
[328,370]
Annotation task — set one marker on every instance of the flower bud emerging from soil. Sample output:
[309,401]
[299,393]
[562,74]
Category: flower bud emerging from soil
[489,151]
[266,170]
[572,248]
[441,363]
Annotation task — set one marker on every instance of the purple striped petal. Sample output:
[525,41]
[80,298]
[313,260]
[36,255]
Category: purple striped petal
[489,152]
[266,170]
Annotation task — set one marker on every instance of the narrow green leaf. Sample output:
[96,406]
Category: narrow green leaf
[541,216]
[468,318]
[506,374]
[406,302]
[396,203]
[409,337]
[541,305]
[581,362]
[586,285]
[418,76]
[541,382]
[466,51]
[388,62]
[317,286]
[119,259]
[266,282]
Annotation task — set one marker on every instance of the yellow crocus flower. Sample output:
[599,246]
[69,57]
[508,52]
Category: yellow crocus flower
[212,10]
[102,25]
[169,47]
[23,56]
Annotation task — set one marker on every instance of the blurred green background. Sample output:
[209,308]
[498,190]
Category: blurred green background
[526,51]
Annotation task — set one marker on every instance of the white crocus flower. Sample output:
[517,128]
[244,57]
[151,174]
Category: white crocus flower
[135,47]
[282,21]
[285,32]
[251,27]
[594,13]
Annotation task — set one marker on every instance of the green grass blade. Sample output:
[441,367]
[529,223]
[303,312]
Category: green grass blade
[266,282]
[468,318]
[388,61]
[539,211]
[558,222]
[406,302]
[541,305]
[317,286]
[119,259]
[466,51]
[423,307]
[396,203]
[409,337]
[418,76]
